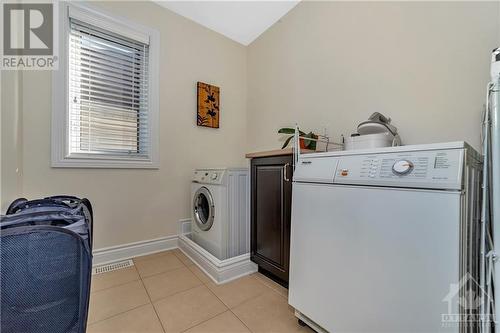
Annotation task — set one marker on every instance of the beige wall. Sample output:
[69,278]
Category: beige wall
[135,205]
[11,136]
[331,64]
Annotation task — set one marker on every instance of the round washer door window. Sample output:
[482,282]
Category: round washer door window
[203,209]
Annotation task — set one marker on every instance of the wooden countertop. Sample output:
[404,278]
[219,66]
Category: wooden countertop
[276,152]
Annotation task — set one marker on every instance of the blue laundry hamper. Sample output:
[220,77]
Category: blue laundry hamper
[46,264]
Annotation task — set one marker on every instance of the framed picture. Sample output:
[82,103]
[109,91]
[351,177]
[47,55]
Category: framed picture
[208,112]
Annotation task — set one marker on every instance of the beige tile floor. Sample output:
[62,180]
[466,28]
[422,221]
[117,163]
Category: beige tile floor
[165,292]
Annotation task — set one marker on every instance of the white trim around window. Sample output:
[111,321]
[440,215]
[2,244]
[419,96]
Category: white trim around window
[61,152]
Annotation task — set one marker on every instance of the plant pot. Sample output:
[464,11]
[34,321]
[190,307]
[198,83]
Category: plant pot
[302,143]
[311,144]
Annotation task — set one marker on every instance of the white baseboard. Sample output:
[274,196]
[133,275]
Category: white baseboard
[220,271]
[136,249]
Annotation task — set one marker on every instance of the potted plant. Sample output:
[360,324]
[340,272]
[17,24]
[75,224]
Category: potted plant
[303,142]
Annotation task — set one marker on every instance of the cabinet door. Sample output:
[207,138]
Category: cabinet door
[271,210]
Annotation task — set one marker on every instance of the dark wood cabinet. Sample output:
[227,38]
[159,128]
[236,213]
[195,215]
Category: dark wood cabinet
[271,196]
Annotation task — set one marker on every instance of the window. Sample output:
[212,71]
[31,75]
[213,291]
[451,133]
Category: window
[108,90]
[106,111]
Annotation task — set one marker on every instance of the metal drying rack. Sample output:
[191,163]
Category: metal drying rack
[330,145]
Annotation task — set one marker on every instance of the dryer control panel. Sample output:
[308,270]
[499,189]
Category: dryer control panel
[426,169]
[441,169]
[209,176]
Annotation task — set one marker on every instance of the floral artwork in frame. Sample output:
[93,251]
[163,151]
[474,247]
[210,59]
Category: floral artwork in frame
[208,112]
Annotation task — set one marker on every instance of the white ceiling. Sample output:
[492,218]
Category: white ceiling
[242,21]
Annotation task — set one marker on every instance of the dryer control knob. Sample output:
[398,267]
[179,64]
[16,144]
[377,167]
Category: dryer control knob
[402,167]
[214,176]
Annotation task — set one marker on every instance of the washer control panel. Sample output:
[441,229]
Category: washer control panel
[209,176]
[422,169]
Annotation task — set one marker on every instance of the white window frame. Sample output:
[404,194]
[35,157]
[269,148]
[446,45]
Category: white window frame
[61,156]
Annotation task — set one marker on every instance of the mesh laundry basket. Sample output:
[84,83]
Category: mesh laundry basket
[45,257]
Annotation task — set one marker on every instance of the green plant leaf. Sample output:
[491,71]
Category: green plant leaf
[313,144]
[288,130]
[287,141]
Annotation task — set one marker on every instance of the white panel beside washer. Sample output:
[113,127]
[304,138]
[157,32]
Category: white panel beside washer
[220,211]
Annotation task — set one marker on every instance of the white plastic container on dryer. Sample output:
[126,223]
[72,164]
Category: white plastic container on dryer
[370,141]
[376,132]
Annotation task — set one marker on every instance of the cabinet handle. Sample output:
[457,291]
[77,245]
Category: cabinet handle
[285,172]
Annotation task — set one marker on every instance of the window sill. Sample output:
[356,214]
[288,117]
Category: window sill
[103,163]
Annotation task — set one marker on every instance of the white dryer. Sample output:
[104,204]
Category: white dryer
[387,239]
[220,211]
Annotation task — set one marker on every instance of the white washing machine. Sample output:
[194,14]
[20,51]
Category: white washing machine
[221,211]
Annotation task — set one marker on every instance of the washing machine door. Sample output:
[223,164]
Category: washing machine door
[203,209]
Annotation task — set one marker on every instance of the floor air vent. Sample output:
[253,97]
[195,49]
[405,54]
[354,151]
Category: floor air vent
[112,267]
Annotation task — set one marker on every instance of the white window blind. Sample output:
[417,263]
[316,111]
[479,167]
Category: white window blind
[108,93]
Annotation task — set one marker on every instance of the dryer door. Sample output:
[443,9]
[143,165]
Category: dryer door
[203,209]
